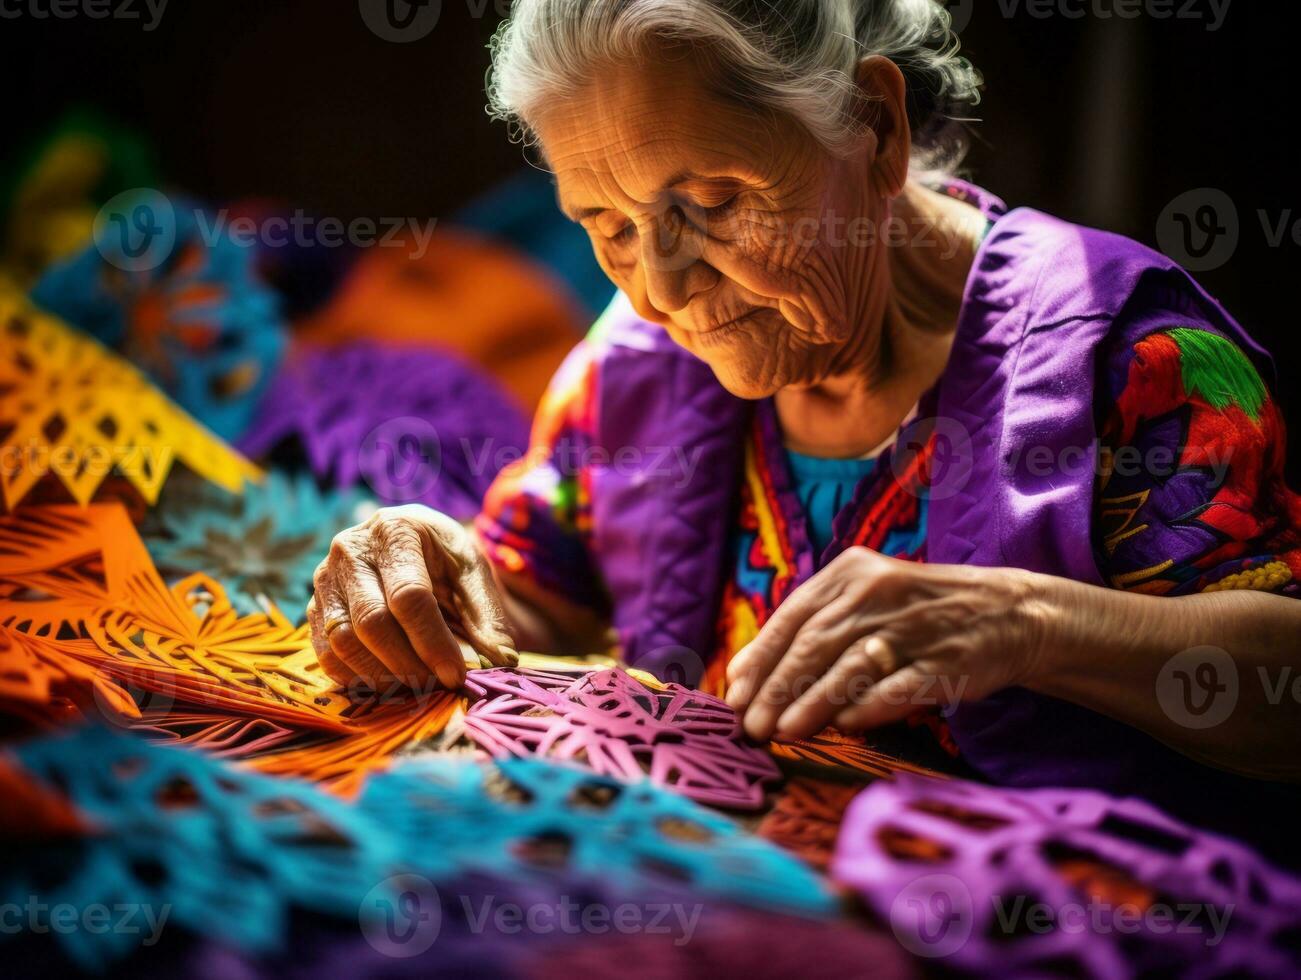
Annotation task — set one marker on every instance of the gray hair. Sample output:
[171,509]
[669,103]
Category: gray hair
[797,57]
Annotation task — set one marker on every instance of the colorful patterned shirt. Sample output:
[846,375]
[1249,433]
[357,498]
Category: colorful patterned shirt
[1190,491]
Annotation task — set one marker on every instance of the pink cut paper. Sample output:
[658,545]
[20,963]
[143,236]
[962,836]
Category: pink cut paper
[610,722]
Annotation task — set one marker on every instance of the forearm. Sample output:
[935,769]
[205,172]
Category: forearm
[1112,652]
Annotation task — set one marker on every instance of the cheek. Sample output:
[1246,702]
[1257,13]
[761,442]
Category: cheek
[793,260]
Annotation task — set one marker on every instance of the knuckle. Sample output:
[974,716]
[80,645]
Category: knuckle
[370,620]
[807,650]
[857,675]
[862,560]
[340,552]
[410,598]
[850,721]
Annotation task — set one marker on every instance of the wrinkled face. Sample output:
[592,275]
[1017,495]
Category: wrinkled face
[732,229]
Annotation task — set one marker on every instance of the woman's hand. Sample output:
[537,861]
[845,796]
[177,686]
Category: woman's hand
[394,594]
[870,639]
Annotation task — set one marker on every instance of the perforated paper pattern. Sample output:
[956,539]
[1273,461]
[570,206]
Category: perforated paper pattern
[1069,882]
[107,616]
[681,739]
[525,817]
[230,853]
[806,818]
[73,412]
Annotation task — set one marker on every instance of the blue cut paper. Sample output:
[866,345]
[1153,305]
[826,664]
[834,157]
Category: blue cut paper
[228,853]
[213,334]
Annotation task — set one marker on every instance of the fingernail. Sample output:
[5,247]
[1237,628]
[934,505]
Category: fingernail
[787,724]
[757,726]
[738,694]
[450,678]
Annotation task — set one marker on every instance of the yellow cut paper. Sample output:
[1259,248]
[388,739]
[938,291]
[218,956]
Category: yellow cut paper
[71,408]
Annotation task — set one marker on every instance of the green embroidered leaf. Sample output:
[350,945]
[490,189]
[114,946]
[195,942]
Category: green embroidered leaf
[1216,370]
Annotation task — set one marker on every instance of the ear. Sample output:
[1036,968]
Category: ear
[884,110]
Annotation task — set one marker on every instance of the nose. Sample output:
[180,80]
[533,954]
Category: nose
[671,250]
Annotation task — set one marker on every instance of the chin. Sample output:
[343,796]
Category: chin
[742,383]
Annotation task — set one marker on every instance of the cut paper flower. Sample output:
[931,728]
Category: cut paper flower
[413,425]
[263,545]
[80,579]
[1068,882]
[76,414]
[612,723]
[190,310]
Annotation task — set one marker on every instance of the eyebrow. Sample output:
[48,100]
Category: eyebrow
[681,177]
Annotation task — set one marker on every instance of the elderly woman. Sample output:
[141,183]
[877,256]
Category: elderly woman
[855,439]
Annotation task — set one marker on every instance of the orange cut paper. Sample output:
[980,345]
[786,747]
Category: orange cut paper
[77,585]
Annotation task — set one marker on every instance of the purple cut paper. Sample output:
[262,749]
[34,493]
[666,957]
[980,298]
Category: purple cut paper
[416,425]
[978,878]
[610,722]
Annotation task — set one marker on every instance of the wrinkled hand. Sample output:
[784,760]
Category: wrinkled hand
[393,595]
[869,640]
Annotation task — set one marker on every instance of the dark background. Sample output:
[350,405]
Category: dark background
[1099,119]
